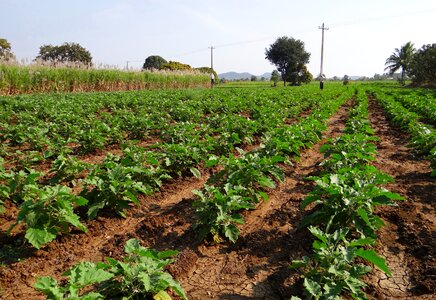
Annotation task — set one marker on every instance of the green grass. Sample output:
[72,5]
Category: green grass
[15,79]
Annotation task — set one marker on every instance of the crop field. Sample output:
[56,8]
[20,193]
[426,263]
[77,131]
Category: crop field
[226,193]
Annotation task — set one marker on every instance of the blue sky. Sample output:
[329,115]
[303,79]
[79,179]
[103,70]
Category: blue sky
[361,35]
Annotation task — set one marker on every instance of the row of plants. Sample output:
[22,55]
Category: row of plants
[419,101]
[342,218]
[40,126]
[47,207]
[423,136]
[16,79]
[244,180]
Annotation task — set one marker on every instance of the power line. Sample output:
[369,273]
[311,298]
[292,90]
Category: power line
[381,18]
[336,25]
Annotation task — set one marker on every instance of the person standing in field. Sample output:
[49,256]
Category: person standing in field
[212,80]
[321,81]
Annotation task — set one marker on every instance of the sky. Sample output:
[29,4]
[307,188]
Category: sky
[361,35]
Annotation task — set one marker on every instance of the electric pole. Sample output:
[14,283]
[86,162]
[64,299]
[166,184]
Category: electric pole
[321,73]
[211,56]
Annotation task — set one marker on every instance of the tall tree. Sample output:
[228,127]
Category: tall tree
[423,65]
[275,77]
[5,50]
[289,56]
[67,52]
[400,58]
[154,62]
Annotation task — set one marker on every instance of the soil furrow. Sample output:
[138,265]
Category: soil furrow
[256,267]
[408,241]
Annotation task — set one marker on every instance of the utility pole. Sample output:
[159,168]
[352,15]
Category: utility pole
[321,73]
[211,56]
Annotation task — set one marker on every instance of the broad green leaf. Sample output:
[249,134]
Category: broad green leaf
[75,221]
[80,201]
[277,159]
[132,246]
[39,237]
[325,147]
[300,263]
[318,233]
[195,172]
[359,270]
[263,195]
[144,277]
[308,200]
[371,256]
[87,273]
[92,296]
[94,208]
[267,182]
[312,287]
[176,287]
[162,295]
[332,290]
[362,213]
[231,232]
[49,287]
[362,242]
[212,161]
[167,254]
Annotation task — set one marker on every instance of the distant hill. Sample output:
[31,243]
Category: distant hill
[241,76]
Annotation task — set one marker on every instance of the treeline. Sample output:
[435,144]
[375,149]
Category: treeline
[419,65]
[156,62]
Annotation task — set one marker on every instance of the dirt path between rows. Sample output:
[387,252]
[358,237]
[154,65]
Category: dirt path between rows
[256,267]
[408,241]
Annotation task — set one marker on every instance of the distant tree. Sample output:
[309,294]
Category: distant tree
[175,66]
[262,78]
[301,76]
[253,78]
[275,77]
[208,70]
[335,78]
[154,62]
[289,55]
[67,52]
[346,80]
[5,50]
[423,65]
[400,58]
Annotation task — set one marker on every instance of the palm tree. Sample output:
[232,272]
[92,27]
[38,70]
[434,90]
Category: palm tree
[400,58]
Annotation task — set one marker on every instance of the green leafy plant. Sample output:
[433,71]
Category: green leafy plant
[81,277]
[217,211]
[332,271]
[347,198]
[15,185]
[111,185]
[349,150]
[140,275]
[251,170]
[48,211]
[66,168]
